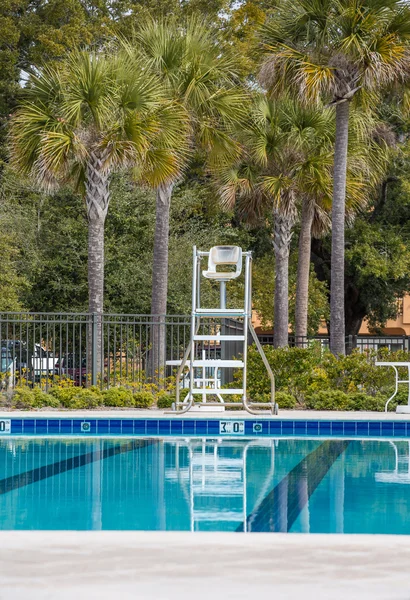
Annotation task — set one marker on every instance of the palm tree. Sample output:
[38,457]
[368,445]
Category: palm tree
[281,143]
[337,50]
[188,60]
[368,158]
[83,120]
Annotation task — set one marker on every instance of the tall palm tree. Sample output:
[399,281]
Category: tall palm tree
[279,144]
[368,158]
[187,58]
[337,50]
[84,119]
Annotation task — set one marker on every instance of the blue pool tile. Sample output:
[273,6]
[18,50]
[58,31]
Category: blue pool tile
[275,427]
[374,428]
[41,426]
[140,426]
[152,426]
[324,428]
[312,428]
[337,428]
[188,426]
[54,426]
[213,427]
[164,427]
[127,426]
[201,427]
[287,427]
[16,426]
[77,423]
[249,427]
[387,428]
[176,426]
[66,426]
[300,427]
[102,426]
[349,427]
[399,429]
[362,428]
[115,426]
[28,426]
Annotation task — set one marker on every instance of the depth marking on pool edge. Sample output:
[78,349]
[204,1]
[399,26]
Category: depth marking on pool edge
[22,479]
[282,506]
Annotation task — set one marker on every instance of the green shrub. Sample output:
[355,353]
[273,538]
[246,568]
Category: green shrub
[118,397]
[292,367]
[330,400]
[33,398]
[143,399]
[86,398]
[64,395]
[365,402]
[283,399]
[165,400]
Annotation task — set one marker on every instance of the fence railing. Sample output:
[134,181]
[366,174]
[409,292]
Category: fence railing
[111,349]
[352,342]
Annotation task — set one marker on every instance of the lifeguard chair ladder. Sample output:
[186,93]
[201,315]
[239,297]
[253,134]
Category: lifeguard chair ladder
[219,256]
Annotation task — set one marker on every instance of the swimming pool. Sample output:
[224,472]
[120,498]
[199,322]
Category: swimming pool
[210,484]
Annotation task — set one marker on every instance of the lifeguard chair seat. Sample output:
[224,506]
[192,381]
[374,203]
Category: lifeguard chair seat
[224,255]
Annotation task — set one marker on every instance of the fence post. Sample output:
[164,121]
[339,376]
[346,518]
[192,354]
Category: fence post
[94,348]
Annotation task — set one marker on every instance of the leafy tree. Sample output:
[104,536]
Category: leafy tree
[285,157]
[263,290]
[336,49]
[377,258]
[368,158]
[85,119]
[188,60]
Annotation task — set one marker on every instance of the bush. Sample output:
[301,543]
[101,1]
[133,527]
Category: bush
[292,367]
[64,395]
[86,398]
[365,402]
[283,399]
[330,400]
[143,399]
[119,397]
[33,398]
[165,400]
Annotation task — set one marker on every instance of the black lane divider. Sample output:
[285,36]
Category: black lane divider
[282,506]
[22,479]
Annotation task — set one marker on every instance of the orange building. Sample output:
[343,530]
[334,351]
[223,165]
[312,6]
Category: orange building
[393,327]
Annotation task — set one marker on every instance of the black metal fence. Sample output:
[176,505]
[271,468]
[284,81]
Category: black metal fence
[111,349]
[88,349]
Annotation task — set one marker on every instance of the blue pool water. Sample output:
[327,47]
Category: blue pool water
[286,485]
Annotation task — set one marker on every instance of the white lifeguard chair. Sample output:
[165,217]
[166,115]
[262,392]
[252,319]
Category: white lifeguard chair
[225,263]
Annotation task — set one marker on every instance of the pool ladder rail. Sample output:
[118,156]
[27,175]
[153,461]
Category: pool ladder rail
[220,256]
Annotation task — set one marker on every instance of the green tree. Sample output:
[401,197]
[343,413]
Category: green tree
[337,50]
[81,121]
[188,60]
[284,158]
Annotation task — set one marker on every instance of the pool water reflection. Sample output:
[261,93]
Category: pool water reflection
[286,485]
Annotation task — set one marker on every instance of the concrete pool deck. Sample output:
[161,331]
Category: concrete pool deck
[314,415]
[184,566]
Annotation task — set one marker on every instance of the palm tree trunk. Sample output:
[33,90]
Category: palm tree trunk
[302,280]
[337,282]
[97,200]
[160,279]
[281,242]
